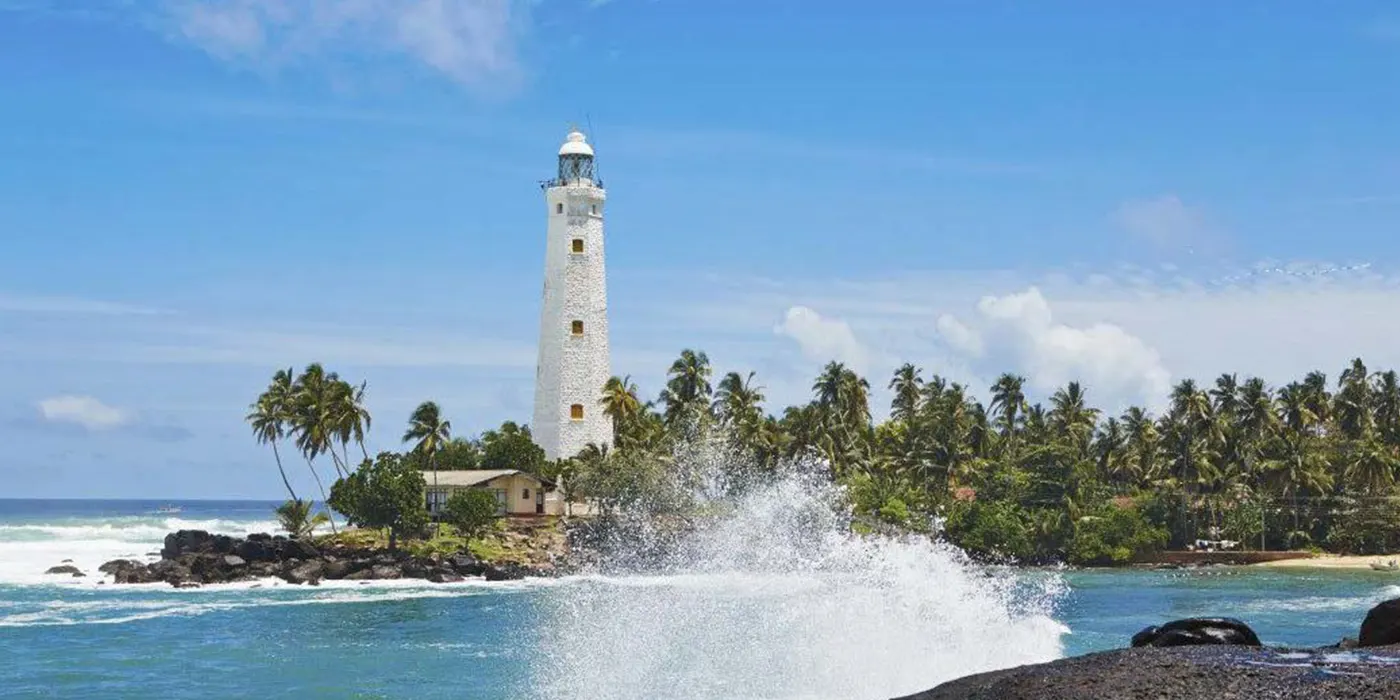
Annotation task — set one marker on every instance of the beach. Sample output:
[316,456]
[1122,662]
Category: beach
[1332,561]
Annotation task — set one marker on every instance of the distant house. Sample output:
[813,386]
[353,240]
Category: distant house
[517,493]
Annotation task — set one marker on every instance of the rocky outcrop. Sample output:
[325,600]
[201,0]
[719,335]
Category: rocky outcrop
[65,569]
[1197,631]
[1381,626]
[191,558]
[1204,658]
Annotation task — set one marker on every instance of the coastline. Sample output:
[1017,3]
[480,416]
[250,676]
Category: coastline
[1332,561]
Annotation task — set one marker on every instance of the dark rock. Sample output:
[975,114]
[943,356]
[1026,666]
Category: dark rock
[68,569]
[337,569]
[505,572]
[1382,625]
[443,576]
[116,565]
[466,565]
[256,550]
[1197,631]
[185,584]
[1211,671]
[414,568]
[361,575]
[301,549]
[170,571]
[310,572]
[66,561]
[384,572]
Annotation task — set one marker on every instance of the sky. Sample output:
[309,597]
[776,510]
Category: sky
[195,193]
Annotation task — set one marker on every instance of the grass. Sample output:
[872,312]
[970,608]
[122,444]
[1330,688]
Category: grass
[520,541]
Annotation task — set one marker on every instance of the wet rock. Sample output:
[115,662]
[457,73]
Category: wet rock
[414,569]
[466,565]
[1382,625]
[384,572]
[505,572]
[337,569]
[186,584]
[1197,631]
[233,561]
[66,569]
[310,572]
[170,571]
[443,576]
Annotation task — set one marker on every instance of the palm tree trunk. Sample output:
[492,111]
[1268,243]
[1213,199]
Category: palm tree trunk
[283,472]
[324,499]
[437,522]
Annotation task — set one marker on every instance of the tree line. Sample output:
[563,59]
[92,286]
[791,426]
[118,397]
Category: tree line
[1310,464]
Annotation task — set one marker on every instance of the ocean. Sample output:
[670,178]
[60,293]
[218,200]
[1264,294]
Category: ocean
[765,608]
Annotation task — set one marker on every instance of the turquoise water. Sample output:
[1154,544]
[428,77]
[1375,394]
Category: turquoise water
[744,629]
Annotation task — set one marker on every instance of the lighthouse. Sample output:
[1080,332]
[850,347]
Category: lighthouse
[573,362]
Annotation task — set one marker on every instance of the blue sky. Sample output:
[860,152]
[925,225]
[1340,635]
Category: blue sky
[193,194]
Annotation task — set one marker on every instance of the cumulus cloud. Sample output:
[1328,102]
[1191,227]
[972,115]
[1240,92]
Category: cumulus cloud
[1165,222]
[83,411]
[471,41]
[1018,332]
[823,339]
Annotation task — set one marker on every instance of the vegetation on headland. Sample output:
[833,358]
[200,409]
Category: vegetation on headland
[1306,465]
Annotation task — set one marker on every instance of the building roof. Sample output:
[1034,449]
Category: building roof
[477,477]
[576,145]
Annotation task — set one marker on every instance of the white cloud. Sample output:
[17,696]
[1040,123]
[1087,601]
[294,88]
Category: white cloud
[84,411]
[1165,222]
[823,339]
[1018,333]
[471,41]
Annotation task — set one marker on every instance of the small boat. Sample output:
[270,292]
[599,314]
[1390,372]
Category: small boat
[1388,566]
[168,510]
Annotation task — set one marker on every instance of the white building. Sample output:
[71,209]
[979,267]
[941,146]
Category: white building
[573,354]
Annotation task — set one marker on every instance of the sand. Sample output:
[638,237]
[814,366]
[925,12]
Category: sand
[1332,561]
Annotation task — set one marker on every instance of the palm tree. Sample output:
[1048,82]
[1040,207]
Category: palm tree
[1387,405]
[620,403]
[1008,402]
[429,432]
[268,417]
[1352,403]
[737,401]
[907,386]
[688,387]
[352,418]
[1070,414]
[1142,447]
[313,421]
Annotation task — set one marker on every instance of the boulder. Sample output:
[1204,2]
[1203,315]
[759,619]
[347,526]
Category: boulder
[504,572]
[170,571]
[1196,631]
[466,564]
[361,575]
[443,576]
[233,561]
[337,569]
[68,569]
[310,572]
[414,568]
[185,584]
[256,550]
[301,549]
[1382,625]
[384,572]
[116,565]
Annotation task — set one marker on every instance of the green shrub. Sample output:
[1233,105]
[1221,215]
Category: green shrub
[1113,535]
[296,518]
[384,493]
[471,512]
[990,528]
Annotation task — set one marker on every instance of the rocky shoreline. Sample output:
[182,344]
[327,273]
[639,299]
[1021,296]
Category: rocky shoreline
[1204,657]
[193,558]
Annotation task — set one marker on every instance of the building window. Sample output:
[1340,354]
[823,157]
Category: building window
[524,493]
[576,327]
[594,209]
[559,208]
[578,245]
[576,411]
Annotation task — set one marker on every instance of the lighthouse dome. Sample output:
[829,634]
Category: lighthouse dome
[576,145]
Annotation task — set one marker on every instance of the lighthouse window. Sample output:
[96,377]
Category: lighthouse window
[577,327]
[594,209]
[559,208]
[578,245]
[576,411]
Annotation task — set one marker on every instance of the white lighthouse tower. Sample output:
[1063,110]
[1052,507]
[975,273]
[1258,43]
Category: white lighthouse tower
[573,355]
